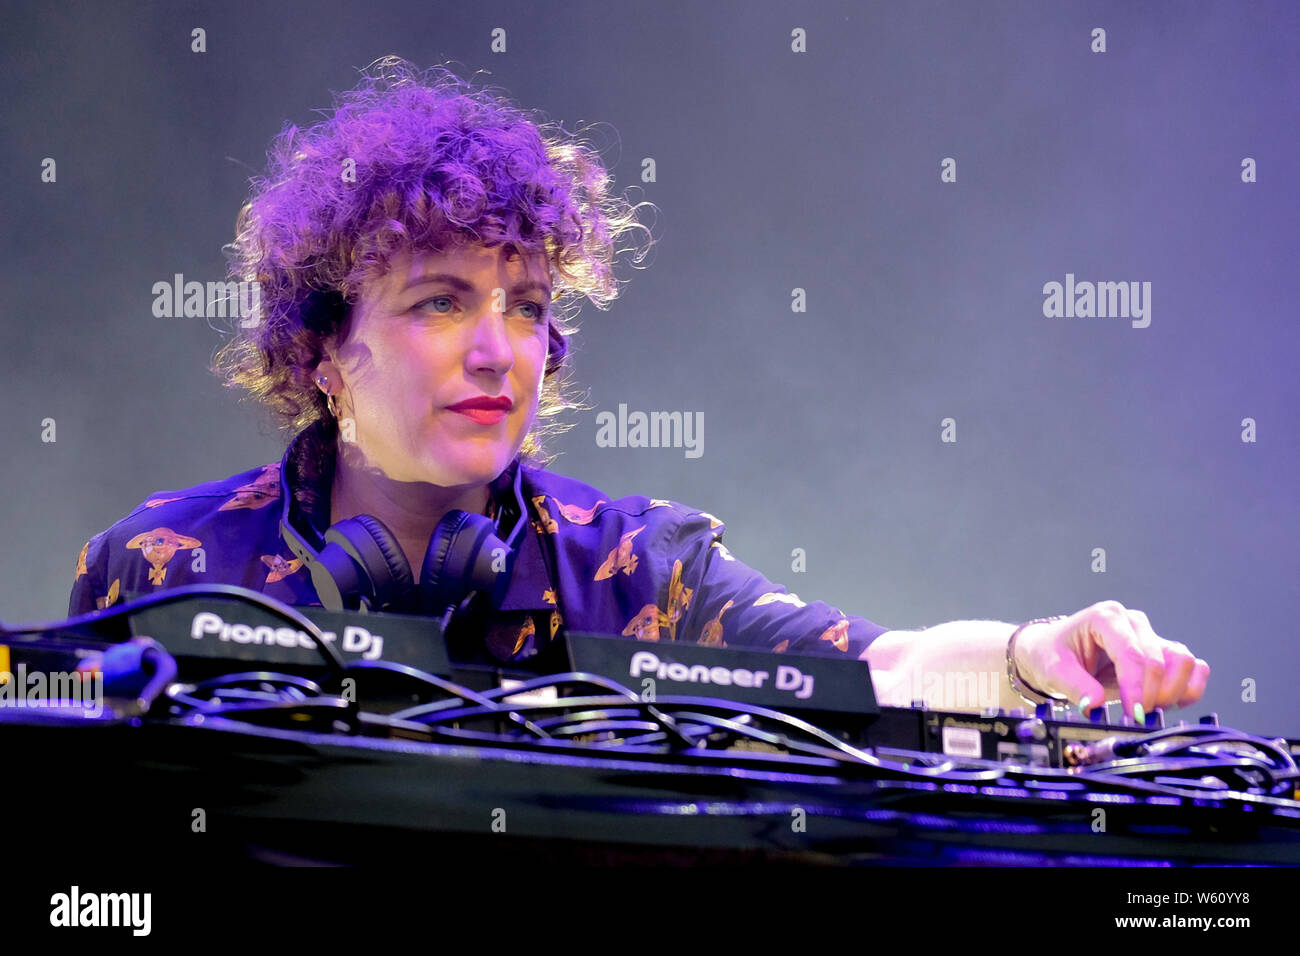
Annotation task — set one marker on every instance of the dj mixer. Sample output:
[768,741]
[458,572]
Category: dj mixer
[308,735]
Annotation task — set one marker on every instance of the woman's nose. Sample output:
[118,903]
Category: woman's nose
[490,344]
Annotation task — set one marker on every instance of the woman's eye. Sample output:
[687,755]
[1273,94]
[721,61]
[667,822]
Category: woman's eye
[436,298]
[539,310]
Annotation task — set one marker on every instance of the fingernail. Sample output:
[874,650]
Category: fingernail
[1139,714]
[1083,705]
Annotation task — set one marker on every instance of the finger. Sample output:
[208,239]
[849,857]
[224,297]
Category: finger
[1196,686]
[1175,667]
[1179,665]
[1151,646]
[1135,666]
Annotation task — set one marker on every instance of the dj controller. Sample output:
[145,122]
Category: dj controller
[219,724]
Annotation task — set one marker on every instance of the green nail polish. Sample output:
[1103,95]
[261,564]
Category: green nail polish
[1083,705]
[1139,714]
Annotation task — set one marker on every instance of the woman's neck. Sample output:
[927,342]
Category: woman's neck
[411,510]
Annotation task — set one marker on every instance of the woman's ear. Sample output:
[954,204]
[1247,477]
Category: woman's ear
[328,370]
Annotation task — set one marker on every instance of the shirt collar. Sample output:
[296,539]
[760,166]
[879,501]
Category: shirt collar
[308,469]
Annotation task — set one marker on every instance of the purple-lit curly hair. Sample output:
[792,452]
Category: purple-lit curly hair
[438,160]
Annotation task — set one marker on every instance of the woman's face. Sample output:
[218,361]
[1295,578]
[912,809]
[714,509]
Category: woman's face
[437,330]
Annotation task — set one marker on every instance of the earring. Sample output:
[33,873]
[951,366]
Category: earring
[330,401]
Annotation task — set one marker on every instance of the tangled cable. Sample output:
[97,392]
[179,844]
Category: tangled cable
[599,715]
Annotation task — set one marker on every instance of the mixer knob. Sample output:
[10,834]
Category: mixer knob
[1032,730]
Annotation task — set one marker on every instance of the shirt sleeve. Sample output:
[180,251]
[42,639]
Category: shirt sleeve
[722,602]
[90,590]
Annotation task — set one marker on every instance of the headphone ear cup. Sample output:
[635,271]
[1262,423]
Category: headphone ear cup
[440,587]
[385,574]
[464,555]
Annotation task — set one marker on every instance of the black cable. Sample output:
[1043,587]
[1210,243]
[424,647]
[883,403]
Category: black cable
[568,678]
[288,706]
[944,770]
[213,697]
[1169,766]
[625,715]
[450,687]
[259,677]
[1284,757]
[661,703]
[1233,767]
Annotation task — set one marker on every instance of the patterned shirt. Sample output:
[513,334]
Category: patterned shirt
[644,568]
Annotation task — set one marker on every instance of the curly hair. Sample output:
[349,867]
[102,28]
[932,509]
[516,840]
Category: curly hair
[420,160]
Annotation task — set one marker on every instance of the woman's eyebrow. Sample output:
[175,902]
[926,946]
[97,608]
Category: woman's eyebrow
[456,282]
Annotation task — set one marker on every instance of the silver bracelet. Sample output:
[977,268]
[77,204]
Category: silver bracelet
[1013,673]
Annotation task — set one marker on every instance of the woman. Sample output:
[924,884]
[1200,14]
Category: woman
[416,255]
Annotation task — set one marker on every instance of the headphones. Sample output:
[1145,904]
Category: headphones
[362,562]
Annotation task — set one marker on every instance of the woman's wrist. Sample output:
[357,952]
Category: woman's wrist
[1024,683]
